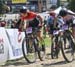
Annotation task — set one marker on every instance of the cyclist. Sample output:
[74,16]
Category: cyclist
[51,23]
[73,28]
[34,20]
[68,22]
[67,18]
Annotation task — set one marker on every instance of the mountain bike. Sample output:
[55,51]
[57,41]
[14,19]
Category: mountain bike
[31,46]
[63,40]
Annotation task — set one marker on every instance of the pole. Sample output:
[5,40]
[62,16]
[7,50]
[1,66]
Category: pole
[40,5]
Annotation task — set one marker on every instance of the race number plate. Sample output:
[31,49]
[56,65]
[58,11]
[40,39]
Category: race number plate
[29,30]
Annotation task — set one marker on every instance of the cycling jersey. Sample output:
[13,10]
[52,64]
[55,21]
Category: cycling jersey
[30,16]
[50,20]
[60,21]
[33,19]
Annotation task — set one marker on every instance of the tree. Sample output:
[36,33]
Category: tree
[72,5]
[58,3]
[3,7]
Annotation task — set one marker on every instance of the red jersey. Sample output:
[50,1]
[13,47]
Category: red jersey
[31,15]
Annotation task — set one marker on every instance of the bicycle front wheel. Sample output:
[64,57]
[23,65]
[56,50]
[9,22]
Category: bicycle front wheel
[55,48]
[67,49]
[29,51]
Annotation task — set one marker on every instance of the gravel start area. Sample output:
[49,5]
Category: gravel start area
[48,62]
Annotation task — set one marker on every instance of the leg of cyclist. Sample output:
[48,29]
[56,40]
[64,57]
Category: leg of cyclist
[40,38]
[73,30]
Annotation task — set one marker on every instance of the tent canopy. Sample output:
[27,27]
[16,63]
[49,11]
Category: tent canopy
[60,8]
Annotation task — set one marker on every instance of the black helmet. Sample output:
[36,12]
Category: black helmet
[63,13]
[23,9]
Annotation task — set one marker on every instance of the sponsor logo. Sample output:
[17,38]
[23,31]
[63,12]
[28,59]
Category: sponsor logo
[1,46]
[19,37]
[17,52]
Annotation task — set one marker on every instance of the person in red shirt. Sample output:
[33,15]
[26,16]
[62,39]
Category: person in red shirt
[34,20]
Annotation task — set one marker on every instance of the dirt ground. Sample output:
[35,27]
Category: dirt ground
[48,62]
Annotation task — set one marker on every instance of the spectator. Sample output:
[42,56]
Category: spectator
[2,23]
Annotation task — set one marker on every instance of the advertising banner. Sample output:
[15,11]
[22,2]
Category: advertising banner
[15,39]
[19,1]
[4,42]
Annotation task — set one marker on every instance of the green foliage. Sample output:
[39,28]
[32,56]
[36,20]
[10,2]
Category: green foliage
[72,5]
[3,7]
[47,41]
[58,3]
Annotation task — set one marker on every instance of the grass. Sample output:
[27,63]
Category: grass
[47,41]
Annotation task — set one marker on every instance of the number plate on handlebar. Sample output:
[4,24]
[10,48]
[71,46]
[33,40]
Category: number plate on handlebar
[55,32]
[65,27]
[29,30]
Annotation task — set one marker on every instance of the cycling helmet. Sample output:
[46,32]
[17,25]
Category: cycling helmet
[63,13]
[23,9]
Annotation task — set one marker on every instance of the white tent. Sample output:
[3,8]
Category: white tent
[69,11]
[58,10]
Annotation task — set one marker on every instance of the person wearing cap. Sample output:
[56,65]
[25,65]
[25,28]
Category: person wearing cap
[30,16]
[34,20]
[51,23]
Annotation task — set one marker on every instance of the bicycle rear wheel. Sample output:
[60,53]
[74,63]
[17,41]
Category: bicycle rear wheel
[29,51]
[41,50]
[68,52]
[55,49]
